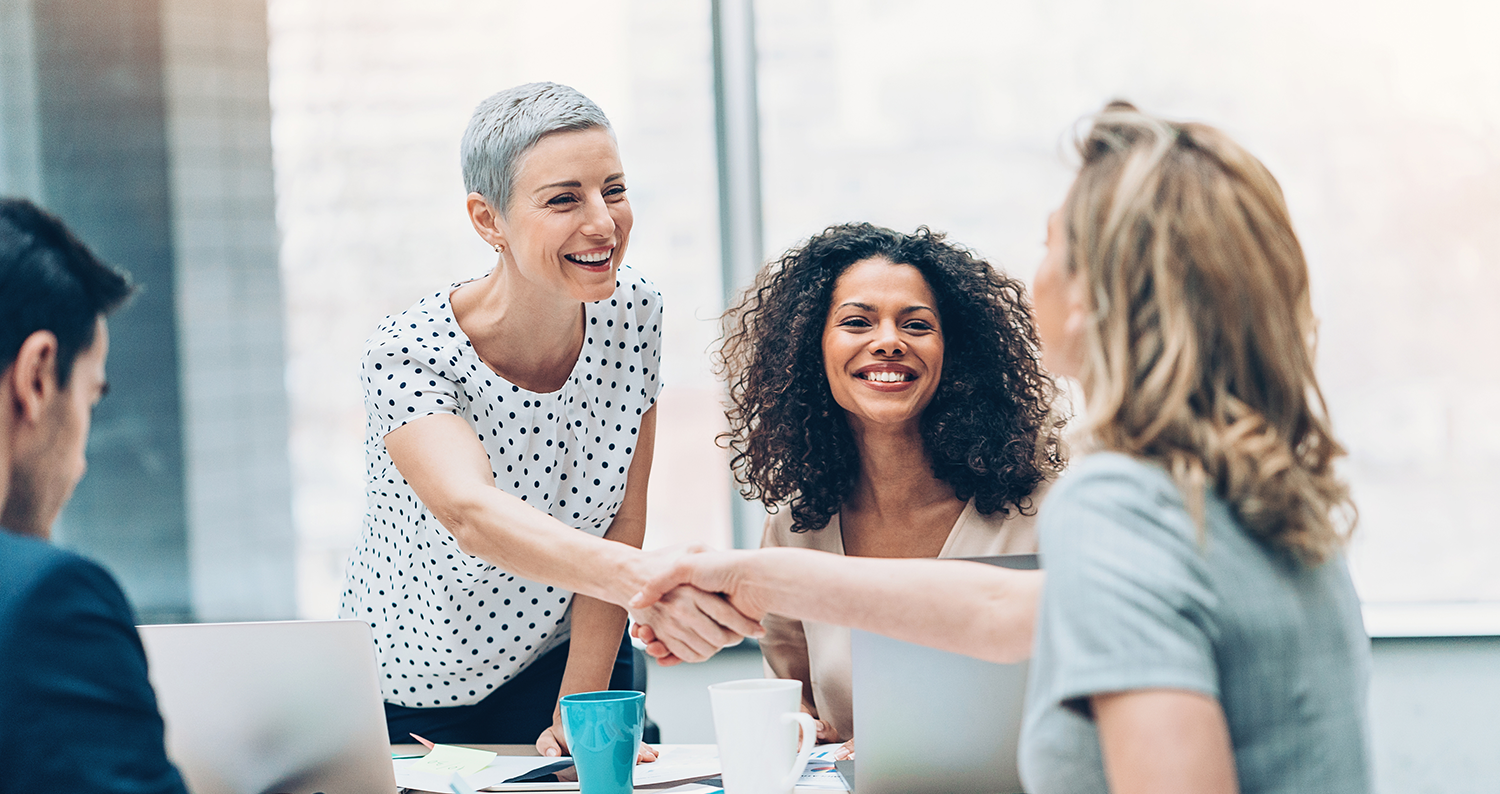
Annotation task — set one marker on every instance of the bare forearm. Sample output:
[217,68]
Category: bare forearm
[506,532]
[450,472]
[970,608]
[595,642]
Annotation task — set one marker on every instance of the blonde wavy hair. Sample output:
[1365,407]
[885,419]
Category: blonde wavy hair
[1201,335]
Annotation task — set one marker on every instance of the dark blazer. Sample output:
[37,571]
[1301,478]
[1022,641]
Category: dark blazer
[77,713]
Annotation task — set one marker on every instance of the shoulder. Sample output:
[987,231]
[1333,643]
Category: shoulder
[23,558]
[30,568]
[59,612]
[416,326]
[1111,475]
[76,696]
[778,529]
[1114,510]
[1111,484]
[413,361]
[40,582]
[779,533]
[1000,532]
[636,295]
[630,283]
[1130,601]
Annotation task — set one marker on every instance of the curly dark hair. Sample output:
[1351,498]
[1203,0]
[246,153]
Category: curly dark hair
[989,431]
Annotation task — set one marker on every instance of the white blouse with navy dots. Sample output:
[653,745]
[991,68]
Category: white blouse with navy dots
[451,628]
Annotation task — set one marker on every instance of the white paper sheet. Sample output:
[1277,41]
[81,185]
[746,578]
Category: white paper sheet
[675,763]
[678,762]
[501,768]
[820,772]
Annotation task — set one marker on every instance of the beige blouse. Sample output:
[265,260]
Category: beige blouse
[817,654]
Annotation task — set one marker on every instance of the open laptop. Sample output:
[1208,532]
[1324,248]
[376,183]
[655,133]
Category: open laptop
[272,708]
[932,721]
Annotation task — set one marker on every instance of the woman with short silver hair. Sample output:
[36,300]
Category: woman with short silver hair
[504,415]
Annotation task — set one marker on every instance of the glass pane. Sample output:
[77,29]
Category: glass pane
[370,99]
[1382,121]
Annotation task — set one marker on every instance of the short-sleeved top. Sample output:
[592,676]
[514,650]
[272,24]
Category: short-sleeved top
[451,628]
[818,654]
[1137,598]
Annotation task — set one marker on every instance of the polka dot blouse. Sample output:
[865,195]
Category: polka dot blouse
[451,628]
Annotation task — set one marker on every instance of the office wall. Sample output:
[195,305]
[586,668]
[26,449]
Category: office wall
[145,125]
[103,169]
[229,309]
[1435,715]
[370,98]
[1380,119]
[19,157]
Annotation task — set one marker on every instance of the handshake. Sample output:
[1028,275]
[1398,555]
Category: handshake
[695,601]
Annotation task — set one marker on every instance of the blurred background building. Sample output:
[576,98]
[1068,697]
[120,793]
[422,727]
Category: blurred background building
[145,124]
[226,466]
[230,452]
[1381,120]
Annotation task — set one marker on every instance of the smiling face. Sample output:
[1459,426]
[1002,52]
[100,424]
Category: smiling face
[568,221]
[883,344]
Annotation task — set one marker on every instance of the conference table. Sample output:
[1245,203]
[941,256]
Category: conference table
[529,750]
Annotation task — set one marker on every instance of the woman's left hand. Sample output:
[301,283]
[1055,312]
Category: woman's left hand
[694,625]
[845,751]
[551,744]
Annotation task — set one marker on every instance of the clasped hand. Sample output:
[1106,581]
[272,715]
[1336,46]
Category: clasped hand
[689,608]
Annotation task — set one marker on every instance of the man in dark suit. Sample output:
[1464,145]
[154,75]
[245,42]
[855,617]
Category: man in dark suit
[77,713]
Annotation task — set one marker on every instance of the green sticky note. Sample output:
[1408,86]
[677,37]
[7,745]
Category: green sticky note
[448,759]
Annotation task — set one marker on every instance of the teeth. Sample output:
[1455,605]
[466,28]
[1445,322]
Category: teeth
[591,259]
[886,377]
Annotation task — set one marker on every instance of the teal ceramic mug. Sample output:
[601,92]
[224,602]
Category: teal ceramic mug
[603,730]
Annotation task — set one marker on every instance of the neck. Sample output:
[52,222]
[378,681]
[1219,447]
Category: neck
[531,336]
[895,472]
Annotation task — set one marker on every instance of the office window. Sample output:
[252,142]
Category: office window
[1380,120]
[369,102]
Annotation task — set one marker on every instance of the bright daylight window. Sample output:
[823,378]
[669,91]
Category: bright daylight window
[369,100]
[1382,125]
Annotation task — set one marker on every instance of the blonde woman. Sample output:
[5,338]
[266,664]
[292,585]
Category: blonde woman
[1198,631]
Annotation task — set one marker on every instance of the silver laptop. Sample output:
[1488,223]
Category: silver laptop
[272,708]
[932,721]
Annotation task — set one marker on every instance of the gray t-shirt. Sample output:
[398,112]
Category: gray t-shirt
[1137,599]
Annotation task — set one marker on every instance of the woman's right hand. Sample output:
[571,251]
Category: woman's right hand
[656,643]
[845,751]
[686,580]
[688,625]
[827,734]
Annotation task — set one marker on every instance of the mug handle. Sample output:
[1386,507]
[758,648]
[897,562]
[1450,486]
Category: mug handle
[804,753]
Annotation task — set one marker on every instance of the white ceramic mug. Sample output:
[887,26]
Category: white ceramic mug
[756,721]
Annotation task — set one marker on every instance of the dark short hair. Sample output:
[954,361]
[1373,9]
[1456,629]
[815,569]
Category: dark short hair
[989,431]
[51,281]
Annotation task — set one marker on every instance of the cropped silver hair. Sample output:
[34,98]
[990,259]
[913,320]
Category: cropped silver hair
[506,126]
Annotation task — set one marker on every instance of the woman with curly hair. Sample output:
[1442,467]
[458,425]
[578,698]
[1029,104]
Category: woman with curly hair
[887,401]
[1199,631]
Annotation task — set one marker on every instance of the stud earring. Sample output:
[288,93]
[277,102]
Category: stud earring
[499,248]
